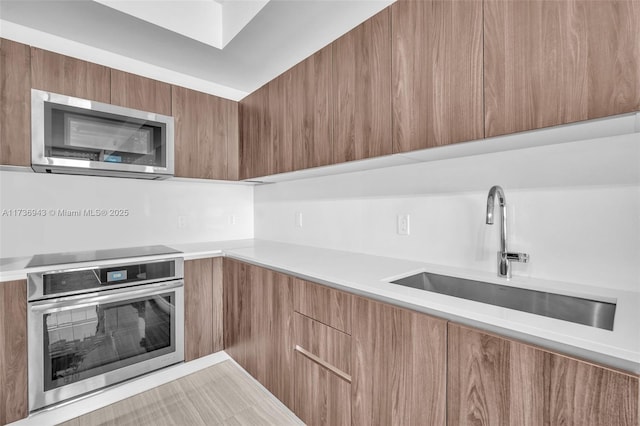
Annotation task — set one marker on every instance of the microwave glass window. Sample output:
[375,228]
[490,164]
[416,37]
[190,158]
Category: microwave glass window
[71,132]
[88,341]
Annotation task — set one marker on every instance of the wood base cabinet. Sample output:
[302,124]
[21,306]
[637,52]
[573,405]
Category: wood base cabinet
[13,351]
[258,325]
[203,307]
[399,366]
[498,381]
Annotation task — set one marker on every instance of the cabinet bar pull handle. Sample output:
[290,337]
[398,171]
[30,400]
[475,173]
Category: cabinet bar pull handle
[344,376]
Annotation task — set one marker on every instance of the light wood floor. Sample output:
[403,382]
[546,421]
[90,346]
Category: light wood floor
[219,395]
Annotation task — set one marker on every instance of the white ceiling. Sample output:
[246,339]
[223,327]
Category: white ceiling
[281,34]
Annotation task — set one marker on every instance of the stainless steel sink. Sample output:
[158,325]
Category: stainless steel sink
[575,309]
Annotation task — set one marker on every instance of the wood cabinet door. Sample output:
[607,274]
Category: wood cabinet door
[237,314]
[258,325]
[311,103]
[137,92]
[498,381]
[362,91]
[15,103]
[554,62]
[206,135]
[256,146]
[203,307]
[493,381]
[436,73]
[280,111]
[14,401]
[399,364]
[69,76]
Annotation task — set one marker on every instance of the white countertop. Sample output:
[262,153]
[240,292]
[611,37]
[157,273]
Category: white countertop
[370,275]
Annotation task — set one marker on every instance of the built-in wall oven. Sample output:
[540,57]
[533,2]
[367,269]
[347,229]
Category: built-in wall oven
[92,327]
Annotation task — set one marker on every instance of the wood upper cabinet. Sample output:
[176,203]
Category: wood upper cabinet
[256,145]
[203,307]
[137,92]
[311,103]
[399,373]
[15,104]
[280,113]
[258,325]
[206,135]
[69,76]
[362,91]
[13,351]
[437,94]
[554,62]
[498,381]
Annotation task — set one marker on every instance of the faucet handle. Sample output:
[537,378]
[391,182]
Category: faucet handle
[517,257]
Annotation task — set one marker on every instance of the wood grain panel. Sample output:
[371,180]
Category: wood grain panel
[436,73]
[329,306]
[310,101]
[399,366]
[276,328]
[15,103]
[203,133]
[549,63]
[256,146]
[498,381]
[134,91]
[579,393]
[69,76]
[237,313]
[321,397]
[281,126]
[362,90]
[233,140]
[13,351]
[326,343]
[217,305]
[492,381]
[198,302]
[258,325]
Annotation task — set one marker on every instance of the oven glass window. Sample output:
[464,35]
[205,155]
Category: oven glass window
[88,341]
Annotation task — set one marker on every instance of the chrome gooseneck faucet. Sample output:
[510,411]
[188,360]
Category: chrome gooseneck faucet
[504,256]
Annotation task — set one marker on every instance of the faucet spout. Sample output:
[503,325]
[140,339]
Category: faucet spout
[497,192]
[504,256]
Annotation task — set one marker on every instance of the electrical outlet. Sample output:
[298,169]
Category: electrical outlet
[299,219]
[403,224]
[182,222]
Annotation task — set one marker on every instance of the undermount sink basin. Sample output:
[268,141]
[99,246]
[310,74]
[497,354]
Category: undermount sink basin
[575,309]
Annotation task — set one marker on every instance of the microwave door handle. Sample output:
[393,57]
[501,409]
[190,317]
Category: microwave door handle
[75,302]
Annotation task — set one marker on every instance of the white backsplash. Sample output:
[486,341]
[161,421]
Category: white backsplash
[159,212]
[581,226]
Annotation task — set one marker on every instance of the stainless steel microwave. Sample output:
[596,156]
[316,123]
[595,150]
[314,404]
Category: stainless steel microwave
[79,136]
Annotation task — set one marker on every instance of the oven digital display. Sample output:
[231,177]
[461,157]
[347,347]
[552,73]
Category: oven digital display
[116,276]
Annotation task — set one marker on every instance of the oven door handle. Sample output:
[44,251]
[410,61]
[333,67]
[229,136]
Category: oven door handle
[73,302]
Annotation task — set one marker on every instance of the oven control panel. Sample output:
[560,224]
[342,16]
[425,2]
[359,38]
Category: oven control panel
[46,285]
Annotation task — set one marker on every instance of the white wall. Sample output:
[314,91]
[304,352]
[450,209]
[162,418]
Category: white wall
[575,208]
[154,210]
